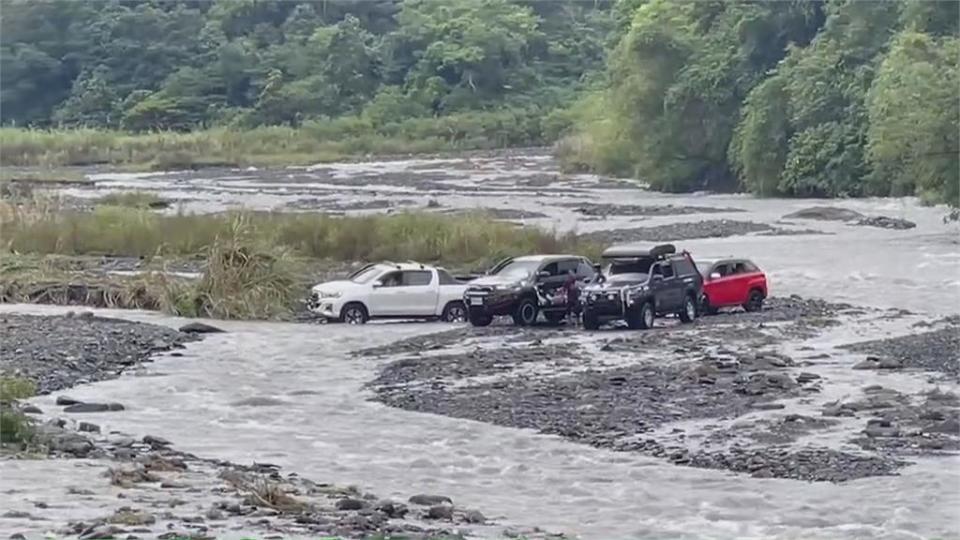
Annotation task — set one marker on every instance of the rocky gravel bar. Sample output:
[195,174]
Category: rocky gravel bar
[712,394]
[58,352]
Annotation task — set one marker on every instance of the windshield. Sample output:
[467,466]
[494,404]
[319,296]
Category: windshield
[629,266]
[367,275]
[704,267]
[518,269]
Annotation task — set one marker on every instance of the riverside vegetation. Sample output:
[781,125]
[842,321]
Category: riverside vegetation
[252,264]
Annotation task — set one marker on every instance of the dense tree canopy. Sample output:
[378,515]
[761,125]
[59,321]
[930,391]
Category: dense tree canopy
[799,98]
[183,64]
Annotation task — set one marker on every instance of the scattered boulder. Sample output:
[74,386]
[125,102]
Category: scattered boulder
[155,442]
[872,362]
[825,213]
[31,409]
[350,503]
[200,328]
[430,500]
[885,222]
[93,407]
[88,427]
[474,516]
[440,511]
[64,401]
[392,509]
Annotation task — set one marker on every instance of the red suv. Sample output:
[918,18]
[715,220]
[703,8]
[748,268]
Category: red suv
[732,282]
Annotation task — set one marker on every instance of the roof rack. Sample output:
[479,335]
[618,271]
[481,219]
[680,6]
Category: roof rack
[411,261]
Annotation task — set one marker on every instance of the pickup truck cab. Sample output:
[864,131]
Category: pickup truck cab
[732,282]
[639,283]
[390,290]
[525,287]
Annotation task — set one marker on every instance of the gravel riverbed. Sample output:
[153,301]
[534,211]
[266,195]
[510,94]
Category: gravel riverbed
[707,395]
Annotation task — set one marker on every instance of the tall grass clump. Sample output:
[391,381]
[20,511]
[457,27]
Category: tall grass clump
[15,427]
[133,199]
[243,279]
[427,237]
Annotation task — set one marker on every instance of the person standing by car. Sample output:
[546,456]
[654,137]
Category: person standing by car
[571,290]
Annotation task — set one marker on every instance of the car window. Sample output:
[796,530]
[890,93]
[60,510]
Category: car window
[740,268]
[391,279]
[584,269]
[750,267]
[551,269]
[563,267]
[684,267]
[445,277]
[366,274]
[667,270]
[412,278]
[517,269]
[722,269]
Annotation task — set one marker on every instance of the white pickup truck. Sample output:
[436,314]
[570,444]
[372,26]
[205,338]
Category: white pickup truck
[390,290]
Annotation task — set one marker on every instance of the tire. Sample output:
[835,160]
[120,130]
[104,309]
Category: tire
[706,308]
[526,312]
[641,318]
[354,313]
[478,317]
[689,311]
[454,312]
[754,301]
[590,321]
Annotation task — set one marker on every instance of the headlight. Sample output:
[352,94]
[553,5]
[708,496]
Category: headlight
[511,287]
[325,294]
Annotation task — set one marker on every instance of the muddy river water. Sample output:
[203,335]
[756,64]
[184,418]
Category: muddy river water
[318,420]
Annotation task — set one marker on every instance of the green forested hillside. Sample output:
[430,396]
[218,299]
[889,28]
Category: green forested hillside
[796,98]
[186,64]
[779,98]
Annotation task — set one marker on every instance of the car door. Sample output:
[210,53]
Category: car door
[419,292]
[720,285]
[661,287]
[549,277]
[673,287]
[740,283]
[386,291]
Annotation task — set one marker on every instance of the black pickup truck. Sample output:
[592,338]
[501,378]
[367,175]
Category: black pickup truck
[638,283]
[524,287]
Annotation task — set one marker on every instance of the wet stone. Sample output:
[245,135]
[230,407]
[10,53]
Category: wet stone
[440,511]
[350,504]
[430,500]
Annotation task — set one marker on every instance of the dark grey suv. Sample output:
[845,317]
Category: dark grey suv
[524,287]
[639,283]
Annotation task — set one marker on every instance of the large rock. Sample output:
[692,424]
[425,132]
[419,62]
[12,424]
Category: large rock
[199,328]
[885,222]
[825,213]
[93,407]
[430,500]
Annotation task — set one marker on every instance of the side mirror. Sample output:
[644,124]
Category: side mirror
[714,275]
[377,284]
[596,268]
[543,274]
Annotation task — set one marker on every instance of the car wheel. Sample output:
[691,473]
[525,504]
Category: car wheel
[526,313]
[689,312]
[354,313]
[641,318]
[754,301]
[479,317]
[454,312]
[590,321]
[706,308]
